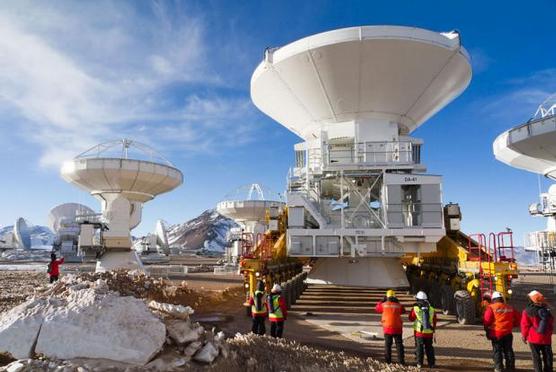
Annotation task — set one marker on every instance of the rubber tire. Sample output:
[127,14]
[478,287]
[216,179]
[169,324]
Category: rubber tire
[447,301]
[435,296]
[465,308]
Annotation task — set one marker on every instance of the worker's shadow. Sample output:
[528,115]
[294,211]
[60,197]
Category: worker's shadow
[340,324]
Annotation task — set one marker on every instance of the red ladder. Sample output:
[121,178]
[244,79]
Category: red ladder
[480,252]
[505,247]
[247,245]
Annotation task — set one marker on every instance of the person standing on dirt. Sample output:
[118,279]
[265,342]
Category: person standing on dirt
[392,325]
[259,310]
[423,317]
[54,268]
[277,311]
[499,319]
[537,324]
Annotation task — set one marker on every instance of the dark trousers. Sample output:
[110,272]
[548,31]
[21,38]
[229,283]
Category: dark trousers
[53,278]
[276,329]
[542,357]
[388,340]
[258,325]
[423,346]
[503,350]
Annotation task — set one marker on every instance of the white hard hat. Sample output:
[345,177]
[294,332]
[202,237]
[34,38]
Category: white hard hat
[276,288]
[496,295]
[421,295]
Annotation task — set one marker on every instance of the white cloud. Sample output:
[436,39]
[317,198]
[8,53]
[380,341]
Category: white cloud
[81,73]
[521,97]
[479,60]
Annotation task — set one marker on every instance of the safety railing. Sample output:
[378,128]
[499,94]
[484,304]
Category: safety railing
[532,128]
[540,240]
[372,153]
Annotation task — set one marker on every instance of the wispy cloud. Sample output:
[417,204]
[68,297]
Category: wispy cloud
[480,60]
[520,97]
[80,73]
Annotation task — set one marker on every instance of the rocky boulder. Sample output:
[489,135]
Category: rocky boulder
[84,322]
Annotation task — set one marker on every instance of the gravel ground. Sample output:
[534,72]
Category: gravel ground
[458,348]
[16,286]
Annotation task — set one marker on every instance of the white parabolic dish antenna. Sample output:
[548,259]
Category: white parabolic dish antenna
[532,145]
[123,175]
[369,74]
[108,168]
[66,213]
[22,235]
[249,203]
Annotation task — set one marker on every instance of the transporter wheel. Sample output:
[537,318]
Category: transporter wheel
[465,308]
[411,281]
[435,297]
[447,301]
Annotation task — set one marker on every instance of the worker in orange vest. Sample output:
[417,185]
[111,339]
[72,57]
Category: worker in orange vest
[499,320]
[259,310]
[392,325]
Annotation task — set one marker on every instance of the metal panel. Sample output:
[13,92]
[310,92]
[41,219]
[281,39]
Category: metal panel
[296,217]
[394,215]
[301,246]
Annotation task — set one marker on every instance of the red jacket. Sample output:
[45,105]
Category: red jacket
[530,322]
[55,267]
[391,320]
[413,316]
[284,310]
[499,319]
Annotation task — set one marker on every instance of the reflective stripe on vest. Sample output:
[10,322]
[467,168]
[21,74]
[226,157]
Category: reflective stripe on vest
[274,312]
[418,325]
[254,309]
[503,317]
[391,315]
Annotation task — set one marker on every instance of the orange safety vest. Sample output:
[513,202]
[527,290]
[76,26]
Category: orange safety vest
[503,318]
[392,315]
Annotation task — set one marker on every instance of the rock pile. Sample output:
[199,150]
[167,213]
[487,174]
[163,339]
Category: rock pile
[81,318]
[251,353]
[140,285]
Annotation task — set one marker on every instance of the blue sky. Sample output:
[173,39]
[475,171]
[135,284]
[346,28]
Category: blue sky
[176,75]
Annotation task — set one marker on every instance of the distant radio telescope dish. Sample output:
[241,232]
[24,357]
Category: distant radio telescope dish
[161,233]
[22,235]
[66,214]
[122,175]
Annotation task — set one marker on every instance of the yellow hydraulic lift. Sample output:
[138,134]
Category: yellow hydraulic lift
[268,260]
[464,270]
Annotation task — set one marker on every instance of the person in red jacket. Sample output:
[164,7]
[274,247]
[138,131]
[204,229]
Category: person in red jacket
[54,267]
[423,317]
[537,324]
[259,309]
[392,325]
[277,311]
[499,319]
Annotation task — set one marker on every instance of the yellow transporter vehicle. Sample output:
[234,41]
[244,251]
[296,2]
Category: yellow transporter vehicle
[268,260]
[464,270]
